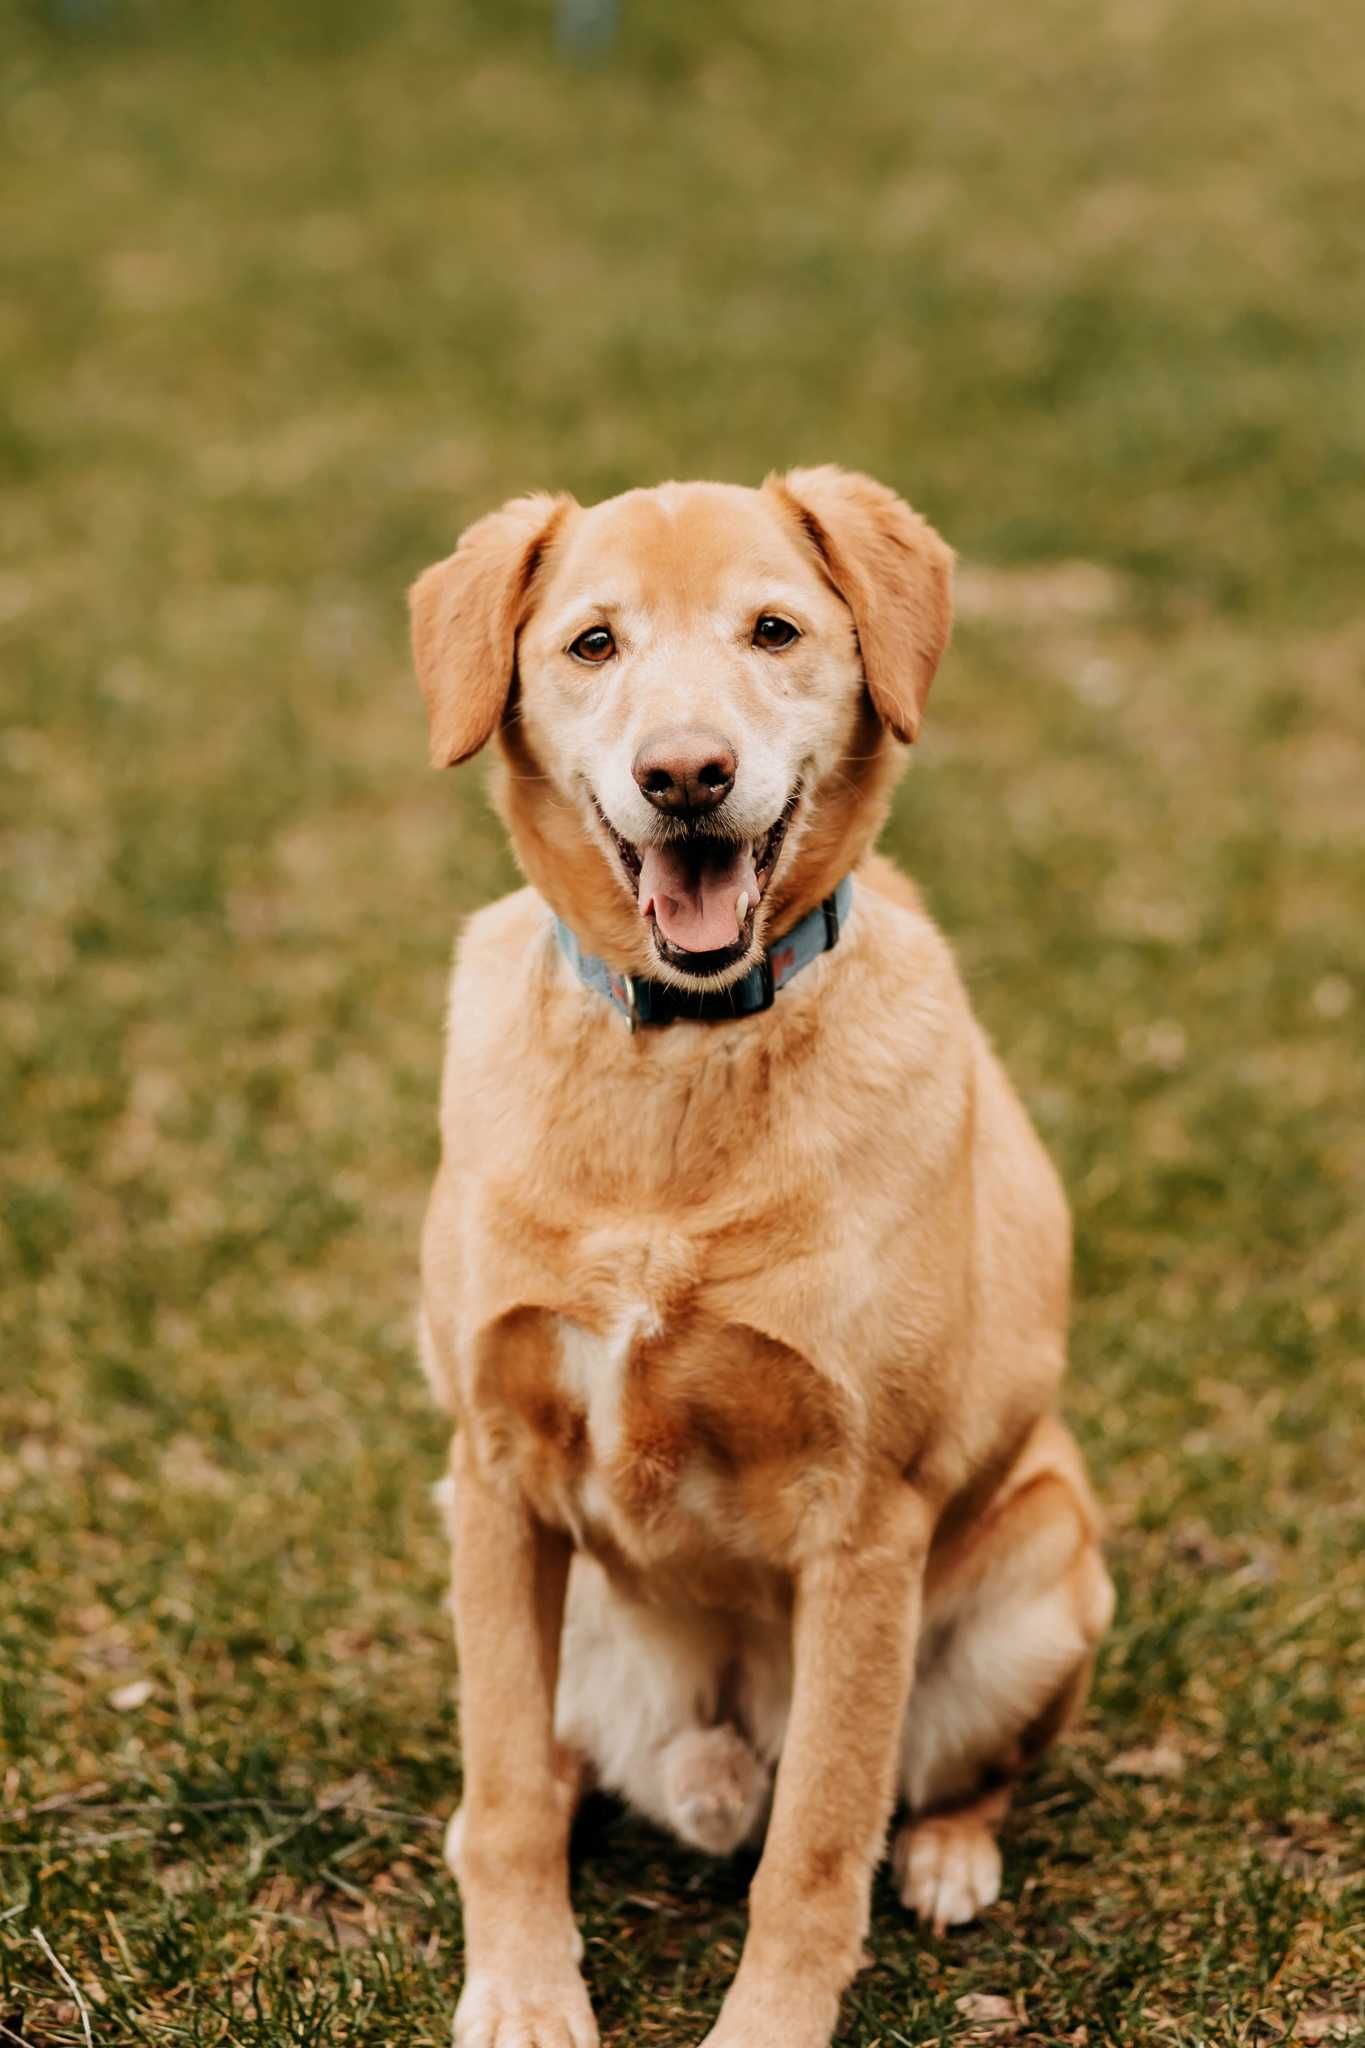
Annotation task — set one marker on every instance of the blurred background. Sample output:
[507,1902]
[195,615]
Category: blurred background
[290,293]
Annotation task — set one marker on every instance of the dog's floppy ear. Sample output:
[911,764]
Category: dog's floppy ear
[465,615]
[894,574]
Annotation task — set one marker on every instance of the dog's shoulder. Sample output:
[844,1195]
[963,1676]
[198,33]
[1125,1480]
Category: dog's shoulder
[496,941]
[911,976]
[893,885]
[499,934]
[499,948]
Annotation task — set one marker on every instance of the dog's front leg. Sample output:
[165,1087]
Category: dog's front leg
[854,1629]
[522,1982]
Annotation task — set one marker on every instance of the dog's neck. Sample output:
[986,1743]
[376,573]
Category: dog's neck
[641,1001]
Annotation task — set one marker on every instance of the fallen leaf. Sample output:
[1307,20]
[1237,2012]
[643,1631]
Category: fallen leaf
[357,1790]
[1333,996]
[126,1699]
[1325,2026]
[1159,1760]
[989,2011]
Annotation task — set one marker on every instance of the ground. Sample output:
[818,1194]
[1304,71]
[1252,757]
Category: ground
[289,295]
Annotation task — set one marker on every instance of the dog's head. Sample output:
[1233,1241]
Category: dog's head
[697,692]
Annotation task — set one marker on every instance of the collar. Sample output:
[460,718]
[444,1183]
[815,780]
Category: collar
[658,1002]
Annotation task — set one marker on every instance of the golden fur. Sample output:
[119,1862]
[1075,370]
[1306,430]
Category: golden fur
[752,1331]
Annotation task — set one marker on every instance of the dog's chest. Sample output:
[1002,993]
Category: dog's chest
[655,1434]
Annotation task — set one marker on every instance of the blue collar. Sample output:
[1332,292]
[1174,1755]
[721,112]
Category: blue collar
[658,1002]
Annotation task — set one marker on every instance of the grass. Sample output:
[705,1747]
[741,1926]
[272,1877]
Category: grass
[289,295]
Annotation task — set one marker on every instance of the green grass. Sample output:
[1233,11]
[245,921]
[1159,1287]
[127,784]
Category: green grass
[289,294]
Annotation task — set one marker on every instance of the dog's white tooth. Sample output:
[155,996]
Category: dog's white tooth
[741,906]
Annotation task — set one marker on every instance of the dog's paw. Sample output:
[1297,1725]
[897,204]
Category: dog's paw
[947,1869]
[715,1788]
[517,2012]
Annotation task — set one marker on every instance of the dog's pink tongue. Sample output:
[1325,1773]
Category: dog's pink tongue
[693,891]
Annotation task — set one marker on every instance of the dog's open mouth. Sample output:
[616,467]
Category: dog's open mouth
[700,891]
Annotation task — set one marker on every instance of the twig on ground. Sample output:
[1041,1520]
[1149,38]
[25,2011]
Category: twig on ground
[72,1986]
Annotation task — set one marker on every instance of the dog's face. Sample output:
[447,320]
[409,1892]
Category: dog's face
[696,689]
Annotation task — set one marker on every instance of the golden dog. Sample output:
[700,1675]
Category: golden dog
[745,1276]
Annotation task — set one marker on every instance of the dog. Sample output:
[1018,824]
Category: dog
[744,1276]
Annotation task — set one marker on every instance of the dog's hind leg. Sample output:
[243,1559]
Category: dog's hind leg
[642,1698]
[1014,1609]
[715,1790]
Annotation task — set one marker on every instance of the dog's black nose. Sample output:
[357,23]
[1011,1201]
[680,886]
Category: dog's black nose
[685,769]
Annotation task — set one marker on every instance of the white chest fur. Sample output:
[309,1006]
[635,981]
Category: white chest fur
[592,1373]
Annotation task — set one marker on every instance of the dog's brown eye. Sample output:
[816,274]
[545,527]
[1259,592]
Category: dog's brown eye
[774,633]
[596,645]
